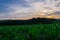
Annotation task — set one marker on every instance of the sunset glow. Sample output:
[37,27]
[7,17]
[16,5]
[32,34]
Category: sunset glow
[27,9]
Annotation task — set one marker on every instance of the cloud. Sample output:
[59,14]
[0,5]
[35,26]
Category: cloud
[27,8]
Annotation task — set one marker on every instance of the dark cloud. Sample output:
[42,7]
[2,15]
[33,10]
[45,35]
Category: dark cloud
[58,12]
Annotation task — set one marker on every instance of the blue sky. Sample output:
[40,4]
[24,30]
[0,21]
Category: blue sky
[22,9]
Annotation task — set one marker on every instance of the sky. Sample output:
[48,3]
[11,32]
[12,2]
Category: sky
[26,9]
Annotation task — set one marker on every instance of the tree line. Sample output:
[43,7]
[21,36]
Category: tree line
[27,22]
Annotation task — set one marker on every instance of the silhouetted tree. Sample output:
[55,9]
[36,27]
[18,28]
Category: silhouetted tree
[27,22]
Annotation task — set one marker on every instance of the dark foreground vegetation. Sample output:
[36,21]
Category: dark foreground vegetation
[33,29]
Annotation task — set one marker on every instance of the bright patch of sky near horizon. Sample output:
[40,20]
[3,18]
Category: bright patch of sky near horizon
[24,9]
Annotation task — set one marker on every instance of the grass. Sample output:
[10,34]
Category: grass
[30,32]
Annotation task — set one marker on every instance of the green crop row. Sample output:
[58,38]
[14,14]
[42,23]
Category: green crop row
[31,32]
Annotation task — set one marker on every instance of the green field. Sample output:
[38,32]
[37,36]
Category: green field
[31,32]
